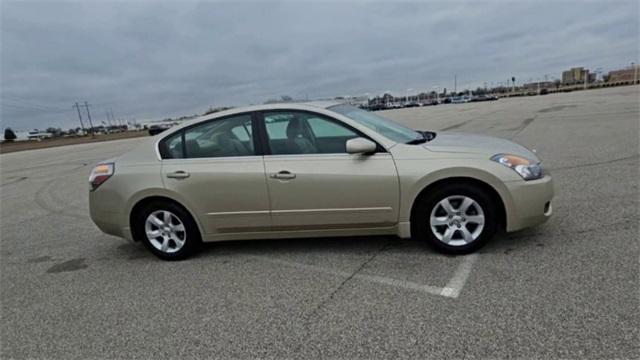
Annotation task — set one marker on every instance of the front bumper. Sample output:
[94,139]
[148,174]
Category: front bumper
[530,203]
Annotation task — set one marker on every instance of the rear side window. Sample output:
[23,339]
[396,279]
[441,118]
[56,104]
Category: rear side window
[231,136]
[171,147]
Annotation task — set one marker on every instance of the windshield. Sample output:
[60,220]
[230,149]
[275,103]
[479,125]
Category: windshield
[385,127]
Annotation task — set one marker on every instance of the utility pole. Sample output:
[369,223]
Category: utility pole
[79,115]
[110,119]
[455,84]
[113,117]
[86,106]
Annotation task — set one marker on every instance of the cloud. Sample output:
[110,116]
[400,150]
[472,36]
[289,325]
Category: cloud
[150,60]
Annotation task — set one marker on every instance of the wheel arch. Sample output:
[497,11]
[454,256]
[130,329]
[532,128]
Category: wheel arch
[495,194]
[143,201]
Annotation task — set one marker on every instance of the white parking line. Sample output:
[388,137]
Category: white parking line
[451,290]
[455,285]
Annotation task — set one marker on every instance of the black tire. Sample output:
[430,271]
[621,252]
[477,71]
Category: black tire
[192,240]
[420,220]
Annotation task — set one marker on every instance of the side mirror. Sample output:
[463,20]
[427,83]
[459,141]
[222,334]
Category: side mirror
[360,146]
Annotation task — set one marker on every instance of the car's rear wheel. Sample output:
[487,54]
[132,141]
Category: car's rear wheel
[455,219]
[167,230]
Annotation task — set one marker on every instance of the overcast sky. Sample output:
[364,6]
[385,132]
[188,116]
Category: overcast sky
[151,60]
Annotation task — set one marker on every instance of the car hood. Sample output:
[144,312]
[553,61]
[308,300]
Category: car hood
[477,144]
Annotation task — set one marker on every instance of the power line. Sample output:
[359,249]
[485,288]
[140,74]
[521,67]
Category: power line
[28,103]
[33,108]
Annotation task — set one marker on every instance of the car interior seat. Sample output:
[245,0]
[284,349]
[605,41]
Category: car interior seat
[299,139]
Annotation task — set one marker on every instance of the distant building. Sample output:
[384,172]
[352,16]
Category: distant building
[541,85]
[627,75]
[577,75]
[361,101]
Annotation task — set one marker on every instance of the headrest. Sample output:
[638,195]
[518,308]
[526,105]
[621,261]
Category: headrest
[294,128]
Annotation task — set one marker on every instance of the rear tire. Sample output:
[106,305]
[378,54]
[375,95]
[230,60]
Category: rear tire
[456,218]
[167,230]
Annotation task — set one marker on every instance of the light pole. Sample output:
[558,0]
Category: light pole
[455,84]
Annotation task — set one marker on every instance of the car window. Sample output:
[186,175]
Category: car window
[173,147]
[243,133]
[276,124]
[230,136]
[391,130]
[298,132]
[325,128]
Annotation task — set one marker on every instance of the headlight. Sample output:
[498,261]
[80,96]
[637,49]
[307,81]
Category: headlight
[528,169]
[100,174]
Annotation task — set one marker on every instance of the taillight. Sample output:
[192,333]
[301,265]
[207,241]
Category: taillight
[100,174]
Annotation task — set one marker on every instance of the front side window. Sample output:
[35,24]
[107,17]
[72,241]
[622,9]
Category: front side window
[230,136]
[298,132]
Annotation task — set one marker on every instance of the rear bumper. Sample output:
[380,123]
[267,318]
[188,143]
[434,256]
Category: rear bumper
[111,223]
[530,203]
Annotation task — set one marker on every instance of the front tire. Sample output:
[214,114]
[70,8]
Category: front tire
[455,219]
[167,230]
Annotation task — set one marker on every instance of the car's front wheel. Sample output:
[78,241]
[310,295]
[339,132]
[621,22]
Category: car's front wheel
[455,219]
[167,230]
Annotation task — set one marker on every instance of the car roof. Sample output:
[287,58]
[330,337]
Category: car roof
[324,103]
[310,105]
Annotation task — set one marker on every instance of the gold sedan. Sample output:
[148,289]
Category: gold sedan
[316,170]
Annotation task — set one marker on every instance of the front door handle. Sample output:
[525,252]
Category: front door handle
[178,175]
[283,175]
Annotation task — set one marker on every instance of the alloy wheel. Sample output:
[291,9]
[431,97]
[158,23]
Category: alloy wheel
[457,220]
[165,231]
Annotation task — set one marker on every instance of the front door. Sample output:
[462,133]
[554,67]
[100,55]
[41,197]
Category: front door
[315,184]
[213,166]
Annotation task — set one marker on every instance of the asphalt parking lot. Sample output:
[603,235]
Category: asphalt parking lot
[566,289]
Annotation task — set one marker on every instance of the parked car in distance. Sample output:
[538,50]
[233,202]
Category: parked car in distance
[39,135]
[377,107]
[158,128]
[461,99]
[479,98]
[316,170]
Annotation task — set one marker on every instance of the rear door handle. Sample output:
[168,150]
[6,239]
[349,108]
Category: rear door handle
[283,175]
[178,175]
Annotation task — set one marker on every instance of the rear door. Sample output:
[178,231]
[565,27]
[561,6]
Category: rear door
[216,169]
[315,184]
